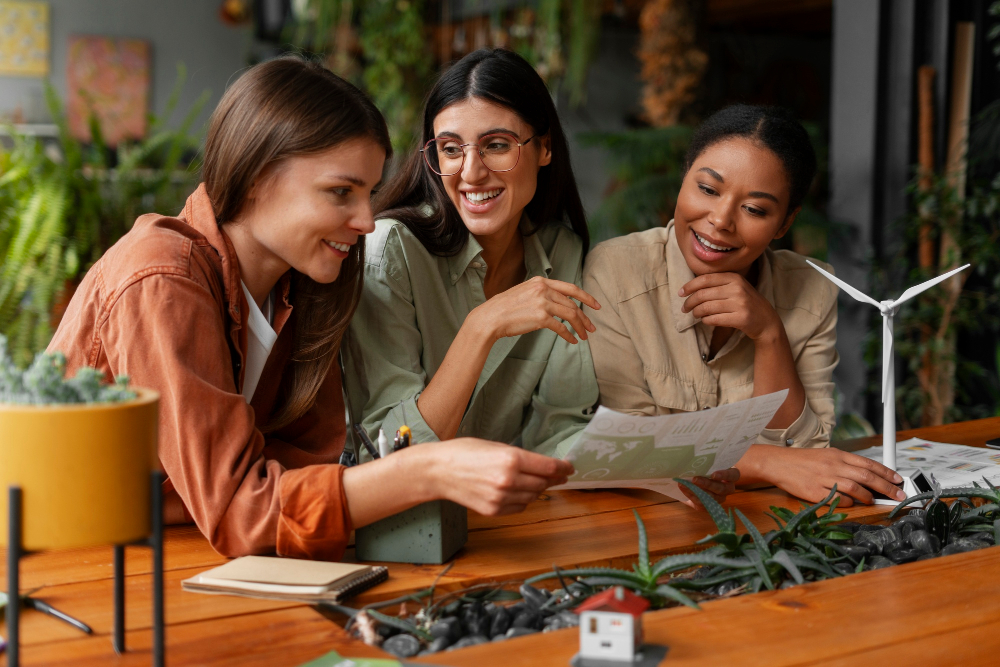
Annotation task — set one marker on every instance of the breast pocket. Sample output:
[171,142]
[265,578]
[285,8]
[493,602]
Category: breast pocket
[670,393]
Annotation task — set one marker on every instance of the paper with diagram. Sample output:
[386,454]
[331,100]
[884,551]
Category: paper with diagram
[618,450]
[951,465]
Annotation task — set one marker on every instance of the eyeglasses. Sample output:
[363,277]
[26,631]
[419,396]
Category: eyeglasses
[499,152]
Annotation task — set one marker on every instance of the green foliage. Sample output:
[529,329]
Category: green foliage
[43,384]
[398,64]
[63,204]
[384,47]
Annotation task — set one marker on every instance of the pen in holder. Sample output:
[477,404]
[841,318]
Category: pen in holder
[431,532]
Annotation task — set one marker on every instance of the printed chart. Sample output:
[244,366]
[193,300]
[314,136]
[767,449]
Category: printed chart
[618,450]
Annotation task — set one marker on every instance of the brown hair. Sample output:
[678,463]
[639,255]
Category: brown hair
[285,108]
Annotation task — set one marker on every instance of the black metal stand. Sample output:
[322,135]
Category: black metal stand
[15,551]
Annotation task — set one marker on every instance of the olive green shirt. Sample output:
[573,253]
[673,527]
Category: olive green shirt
[652,358]
[536,391]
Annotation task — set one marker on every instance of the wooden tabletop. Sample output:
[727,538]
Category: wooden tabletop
[919,610]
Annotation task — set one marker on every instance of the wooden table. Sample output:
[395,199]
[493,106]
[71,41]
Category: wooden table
[929,612]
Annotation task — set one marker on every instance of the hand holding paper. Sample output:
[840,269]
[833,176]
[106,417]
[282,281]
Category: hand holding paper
[618,450]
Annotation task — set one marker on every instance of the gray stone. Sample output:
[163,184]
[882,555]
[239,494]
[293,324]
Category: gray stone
[471,640]
[527,619]
[533,596]
[500,623]
[447,627]
[924,542]
[878,562]
[520,632]
[402,645]
[439,644]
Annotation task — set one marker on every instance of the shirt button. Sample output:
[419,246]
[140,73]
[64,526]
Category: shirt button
[704,357]
[790,442]
[454,276]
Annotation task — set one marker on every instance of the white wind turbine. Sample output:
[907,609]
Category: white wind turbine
[888,309]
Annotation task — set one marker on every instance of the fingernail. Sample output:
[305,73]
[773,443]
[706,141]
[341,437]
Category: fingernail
[900,495]
[896,478]
[680,292]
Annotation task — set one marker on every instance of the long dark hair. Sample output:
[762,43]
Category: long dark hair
[280,109]
[504,78]
[776,129]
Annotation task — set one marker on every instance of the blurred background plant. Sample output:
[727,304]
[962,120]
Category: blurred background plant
[64,202]
[391,48]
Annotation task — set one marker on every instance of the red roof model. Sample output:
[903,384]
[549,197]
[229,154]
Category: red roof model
[616,599]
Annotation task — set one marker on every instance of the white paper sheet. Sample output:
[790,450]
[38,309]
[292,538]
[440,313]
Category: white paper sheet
[951,465]
[618,450]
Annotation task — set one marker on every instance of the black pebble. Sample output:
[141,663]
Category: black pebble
[849,526]
[447,627]
[924,542]
[903,555]
[528,619]
[844,568]
[858,552]
[534,597]
[471,640]
[520,632]
[727,586]
[402,646]
[439,644]
[878,562]
[386,631]
[500,623]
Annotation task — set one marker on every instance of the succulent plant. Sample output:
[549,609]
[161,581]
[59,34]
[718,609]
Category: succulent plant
[42,382]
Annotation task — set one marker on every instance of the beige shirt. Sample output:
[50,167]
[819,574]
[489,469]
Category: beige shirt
[651,358]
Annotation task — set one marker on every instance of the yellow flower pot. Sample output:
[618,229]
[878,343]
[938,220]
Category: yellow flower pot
[84,471]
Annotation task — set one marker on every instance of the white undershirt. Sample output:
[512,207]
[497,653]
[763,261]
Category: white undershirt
[260,340]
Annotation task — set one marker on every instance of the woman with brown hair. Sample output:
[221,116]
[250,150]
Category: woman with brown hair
[234,312]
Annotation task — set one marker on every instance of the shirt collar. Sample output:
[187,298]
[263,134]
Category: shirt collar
[536,261]
[679,274]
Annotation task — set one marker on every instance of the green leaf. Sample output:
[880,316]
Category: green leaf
[589,572]
[666,591]
[642,566]
[723,521]
[399,624]
[758,539]
[796,520]
[783,559]
[684,561]
[758,564]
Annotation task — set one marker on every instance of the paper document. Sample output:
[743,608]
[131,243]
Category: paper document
[618,450]
[951,465]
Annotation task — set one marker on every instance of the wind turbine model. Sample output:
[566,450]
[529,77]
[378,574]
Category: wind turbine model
[889,309]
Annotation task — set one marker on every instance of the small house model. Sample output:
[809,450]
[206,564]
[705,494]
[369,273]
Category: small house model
[611,625]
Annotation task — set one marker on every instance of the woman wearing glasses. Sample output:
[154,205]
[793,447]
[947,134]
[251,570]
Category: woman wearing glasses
[468,324]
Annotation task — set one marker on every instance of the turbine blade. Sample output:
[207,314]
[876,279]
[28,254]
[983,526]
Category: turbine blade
[917,289]
[857,294]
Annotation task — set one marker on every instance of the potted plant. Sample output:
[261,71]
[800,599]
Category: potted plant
[78,467]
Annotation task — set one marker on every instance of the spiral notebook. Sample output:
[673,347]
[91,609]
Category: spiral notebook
[274,578]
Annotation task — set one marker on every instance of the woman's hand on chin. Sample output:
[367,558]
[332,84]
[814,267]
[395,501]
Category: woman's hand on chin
[491,478]
[810,474]
[532,305]
[719,485]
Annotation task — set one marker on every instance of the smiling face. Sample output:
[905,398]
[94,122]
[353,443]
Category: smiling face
[306,212]
[490,202]
[732,204]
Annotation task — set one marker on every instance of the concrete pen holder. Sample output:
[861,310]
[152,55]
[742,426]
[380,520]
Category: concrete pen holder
[428,533]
